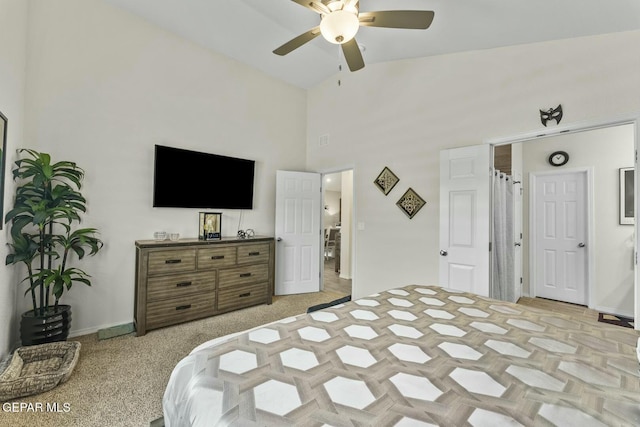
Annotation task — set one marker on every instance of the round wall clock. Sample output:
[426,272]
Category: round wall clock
[558,158]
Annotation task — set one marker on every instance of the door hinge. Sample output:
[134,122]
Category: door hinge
[489,246]
[521,280]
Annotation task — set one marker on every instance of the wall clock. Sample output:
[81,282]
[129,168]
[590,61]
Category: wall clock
[558,158]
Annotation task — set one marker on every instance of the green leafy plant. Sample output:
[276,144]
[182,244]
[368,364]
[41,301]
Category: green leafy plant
[47,204]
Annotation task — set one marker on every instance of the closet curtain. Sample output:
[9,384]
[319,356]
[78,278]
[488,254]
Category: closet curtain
[503,284]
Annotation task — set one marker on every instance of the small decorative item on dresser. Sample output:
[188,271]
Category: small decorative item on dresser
[246,234]
[160,235]
[174,236]
[210,226]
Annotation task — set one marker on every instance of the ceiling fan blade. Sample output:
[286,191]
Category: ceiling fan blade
[353,55]
[315,5]
[411,19]
[348,3]
[297,42]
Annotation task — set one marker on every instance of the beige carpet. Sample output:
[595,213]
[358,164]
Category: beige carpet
[120,381]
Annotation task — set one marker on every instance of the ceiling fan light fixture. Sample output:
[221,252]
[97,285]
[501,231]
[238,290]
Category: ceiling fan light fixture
[340,26]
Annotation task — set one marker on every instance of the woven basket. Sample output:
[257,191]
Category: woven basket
[38,368]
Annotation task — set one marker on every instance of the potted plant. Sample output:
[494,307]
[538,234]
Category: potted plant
[47,204]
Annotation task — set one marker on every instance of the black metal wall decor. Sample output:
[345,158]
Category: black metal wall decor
[410,203]
[551,114]
[386,180]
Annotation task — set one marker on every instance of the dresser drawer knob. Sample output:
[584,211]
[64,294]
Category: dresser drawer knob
[217,257]
[183,307]
[254,253]
[183,284]
[245,295]
[245,275]
[173,261]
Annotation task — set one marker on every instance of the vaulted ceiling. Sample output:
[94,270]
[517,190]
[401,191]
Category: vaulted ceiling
[249,30]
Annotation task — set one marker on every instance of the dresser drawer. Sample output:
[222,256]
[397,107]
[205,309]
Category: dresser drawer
[170,312]
[242,296]
[230,277]
[253,254]
[216,257]
[163,262]
[179,285]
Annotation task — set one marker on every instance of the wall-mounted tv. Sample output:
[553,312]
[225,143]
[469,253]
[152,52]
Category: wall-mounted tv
[192,179]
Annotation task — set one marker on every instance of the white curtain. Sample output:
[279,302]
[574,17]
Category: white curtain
[503,285]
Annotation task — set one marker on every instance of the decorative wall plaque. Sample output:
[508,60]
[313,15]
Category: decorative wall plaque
[386,180]
[551,114]
[410,203]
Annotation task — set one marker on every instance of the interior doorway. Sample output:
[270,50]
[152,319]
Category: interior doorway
[559,230]
[610,245]
[337,241]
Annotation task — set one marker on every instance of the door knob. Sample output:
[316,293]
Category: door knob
[581,245]
[279,239]
[444,253]
[518,244]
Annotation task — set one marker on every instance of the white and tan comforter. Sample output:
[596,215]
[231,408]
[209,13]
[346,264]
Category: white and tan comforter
[420,355]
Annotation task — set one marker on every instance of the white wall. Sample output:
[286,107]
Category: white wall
[605,151]
[401,114]
[13,44]
[103,88]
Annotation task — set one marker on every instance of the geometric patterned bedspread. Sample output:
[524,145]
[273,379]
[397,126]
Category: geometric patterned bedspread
[418,355]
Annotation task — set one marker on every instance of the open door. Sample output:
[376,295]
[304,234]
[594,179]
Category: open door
[465,181]
[298,232]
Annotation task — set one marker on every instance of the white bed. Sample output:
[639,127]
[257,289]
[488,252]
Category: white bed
[419,355]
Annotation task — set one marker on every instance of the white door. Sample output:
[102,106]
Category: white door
[464,218]
[559,224]
[298,232]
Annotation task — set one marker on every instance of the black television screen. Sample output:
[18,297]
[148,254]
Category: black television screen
[191,179]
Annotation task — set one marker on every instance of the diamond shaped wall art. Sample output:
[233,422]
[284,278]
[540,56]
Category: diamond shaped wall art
[386,180]
[410,203]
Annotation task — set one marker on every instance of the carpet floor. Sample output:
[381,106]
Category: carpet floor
[120,381]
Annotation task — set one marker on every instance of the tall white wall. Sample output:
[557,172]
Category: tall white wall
[13,48]
[103,87]
[605,151]
[401,114]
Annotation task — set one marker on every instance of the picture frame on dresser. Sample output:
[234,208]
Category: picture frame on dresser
[210,226]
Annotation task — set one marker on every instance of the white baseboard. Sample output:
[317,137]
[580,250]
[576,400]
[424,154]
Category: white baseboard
[94,329]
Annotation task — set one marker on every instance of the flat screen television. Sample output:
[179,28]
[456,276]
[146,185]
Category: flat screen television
[192,179]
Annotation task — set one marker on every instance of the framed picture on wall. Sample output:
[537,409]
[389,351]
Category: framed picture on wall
[627,191]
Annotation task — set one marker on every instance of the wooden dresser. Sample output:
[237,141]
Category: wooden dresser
[187,279]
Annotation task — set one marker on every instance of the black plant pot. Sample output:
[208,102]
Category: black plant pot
[53,325]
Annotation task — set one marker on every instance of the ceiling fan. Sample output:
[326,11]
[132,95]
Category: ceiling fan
[341,19]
